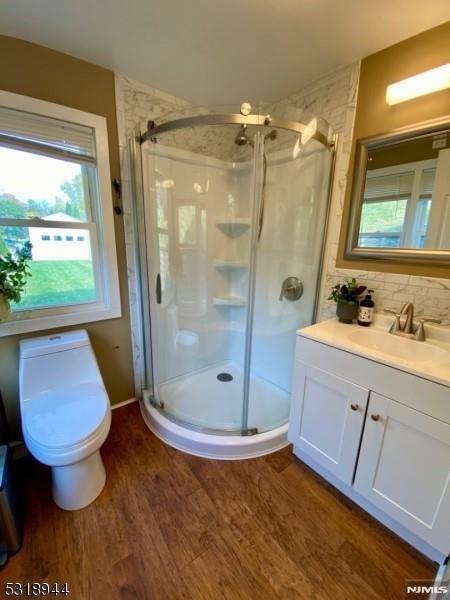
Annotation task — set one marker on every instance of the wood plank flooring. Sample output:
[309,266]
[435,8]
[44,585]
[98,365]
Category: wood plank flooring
[170,525]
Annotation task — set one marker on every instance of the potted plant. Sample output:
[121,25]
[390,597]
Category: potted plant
[14,272]
[346,297]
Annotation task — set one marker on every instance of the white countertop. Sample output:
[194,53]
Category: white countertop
[429,359]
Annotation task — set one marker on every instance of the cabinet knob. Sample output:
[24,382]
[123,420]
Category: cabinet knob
[375,417]
[354,406]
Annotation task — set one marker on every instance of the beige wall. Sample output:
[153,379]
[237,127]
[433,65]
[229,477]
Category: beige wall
[373,116]
[42,73]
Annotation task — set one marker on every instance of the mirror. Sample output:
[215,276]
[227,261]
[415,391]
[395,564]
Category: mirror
[401,195]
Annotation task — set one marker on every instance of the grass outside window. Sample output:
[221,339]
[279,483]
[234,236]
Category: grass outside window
[61,282]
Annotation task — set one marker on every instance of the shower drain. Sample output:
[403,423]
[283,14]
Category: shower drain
[225,377]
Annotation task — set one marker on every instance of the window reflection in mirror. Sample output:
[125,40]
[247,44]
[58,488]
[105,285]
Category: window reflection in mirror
[406,196]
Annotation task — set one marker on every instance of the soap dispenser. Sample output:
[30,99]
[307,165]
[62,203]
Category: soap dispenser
[366,310]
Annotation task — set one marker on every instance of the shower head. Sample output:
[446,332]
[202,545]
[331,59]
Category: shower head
[241,139]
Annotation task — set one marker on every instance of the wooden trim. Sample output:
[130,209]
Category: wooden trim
[124,403]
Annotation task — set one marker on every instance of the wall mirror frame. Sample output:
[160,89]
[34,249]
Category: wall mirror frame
[366,150]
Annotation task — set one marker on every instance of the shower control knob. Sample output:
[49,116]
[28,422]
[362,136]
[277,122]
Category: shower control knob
[291,289]
[246,109]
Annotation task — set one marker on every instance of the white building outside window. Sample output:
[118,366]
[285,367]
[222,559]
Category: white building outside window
[56,244]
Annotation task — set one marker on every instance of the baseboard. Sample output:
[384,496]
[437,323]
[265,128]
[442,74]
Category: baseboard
[124,403]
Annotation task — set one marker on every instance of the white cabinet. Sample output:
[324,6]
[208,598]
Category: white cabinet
[404,468]
[327,419]
[380,435]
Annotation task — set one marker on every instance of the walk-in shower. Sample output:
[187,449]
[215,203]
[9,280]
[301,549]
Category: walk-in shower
[230,215]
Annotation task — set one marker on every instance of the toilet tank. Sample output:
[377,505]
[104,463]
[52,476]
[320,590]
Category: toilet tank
[54,361]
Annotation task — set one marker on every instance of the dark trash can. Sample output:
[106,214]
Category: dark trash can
[10,530]
[10,491]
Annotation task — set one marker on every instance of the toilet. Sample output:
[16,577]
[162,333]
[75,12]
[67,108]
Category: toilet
[66,415]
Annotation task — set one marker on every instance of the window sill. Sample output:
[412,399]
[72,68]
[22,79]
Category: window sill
[41,323]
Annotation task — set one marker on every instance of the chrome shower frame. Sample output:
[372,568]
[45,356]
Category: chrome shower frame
[235,119]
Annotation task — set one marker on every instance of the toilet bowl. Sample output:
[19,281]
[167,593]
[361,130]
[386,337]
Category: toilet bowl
[66,415]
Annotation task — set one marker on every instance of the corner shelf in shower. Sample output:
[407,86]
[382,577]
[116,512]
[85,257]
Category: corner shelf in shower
[229,301]
[233,227]
[231,264]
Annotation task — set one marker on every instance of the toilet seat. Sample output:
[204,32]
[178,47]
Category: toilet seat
[64,417]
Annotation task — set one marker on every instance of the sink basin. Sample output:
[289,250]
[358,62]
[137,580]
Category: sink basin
[429,359]
[404,349]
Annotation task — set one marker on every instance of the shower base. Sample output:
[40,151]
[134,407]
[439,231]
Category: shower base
[207,401]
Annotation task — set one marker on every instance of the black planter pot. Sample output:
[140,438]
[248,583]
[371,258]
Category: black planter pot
[346,311]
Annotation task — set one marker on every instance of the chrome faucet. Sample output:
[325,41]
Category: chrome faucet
[409,329]
[408,310]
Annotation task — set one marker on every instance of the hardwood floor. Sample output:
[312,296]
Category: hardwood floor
[170,525]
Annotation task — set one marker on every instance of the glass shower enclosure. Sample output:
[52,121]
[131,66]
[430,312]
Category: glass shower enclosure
[231,212]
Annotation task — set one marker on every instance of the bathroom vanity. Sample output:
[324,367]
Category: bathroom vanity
[371,413]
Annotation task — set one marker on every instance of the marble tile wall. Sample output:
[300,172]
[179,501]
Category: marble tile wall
[332,98]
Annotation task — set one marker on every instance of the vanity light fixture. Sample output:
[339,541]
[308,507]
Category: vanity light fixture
[424,83]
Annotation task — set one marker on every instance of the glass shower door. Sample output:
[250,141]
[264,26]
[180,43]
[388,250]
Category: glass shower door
[234,226]
[294,202]
[198,204]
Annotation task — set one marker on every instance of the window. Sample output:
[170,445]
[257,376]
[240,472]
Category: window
[396,206]
[187,225]
[55,189]
[422,216]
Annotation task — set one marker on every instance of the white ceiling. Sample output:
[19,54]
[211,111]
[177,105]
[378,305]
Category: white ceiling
[215,51]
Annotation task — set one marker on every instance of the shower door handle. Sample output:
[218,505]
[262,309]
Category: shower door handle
[291,289]
[158,289]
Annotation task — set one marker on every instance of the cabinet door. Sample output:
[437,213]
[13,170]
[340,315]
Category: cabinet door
[326,420]
[404,469]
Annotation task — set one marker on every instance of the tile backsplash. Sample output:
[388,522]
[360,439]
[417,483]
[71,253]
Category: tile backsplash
[430,296]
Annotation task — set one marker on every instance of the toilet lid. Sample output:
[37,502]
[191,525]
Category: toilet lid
[67,415]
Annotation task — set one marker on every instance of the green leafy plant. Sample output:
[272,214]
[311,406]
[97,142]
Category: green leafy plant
[14,272]
[347,293]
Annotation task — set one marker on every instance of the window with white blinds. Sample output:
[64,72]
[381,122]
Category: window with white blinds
[55,193]
[20,129]
[389,187]
[396,205]
[427,183]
